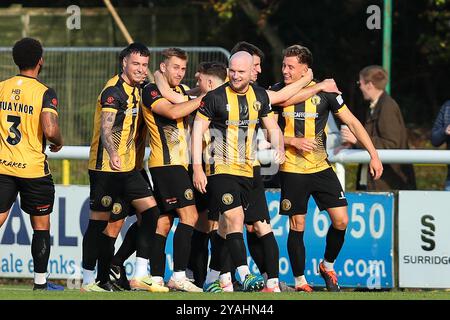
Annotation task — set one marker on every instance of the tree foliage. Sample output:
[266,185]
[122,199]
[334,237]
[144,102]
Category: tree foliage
[336,33]
[435,43]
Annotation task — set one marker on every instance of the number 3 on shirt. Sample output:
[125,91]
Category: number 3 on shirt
[15,136]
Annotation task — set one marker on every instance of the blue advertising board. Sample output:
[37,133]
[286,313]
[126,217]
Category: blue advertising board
[365,260]
[366,257]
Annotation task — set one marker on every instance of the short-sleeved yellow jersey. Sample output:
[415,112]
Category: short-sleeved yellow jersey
[22,140]
[124,100]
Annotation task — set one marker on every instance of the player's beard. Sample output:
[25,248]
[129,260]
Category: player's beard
[174,82]
[40,69]
[240,88]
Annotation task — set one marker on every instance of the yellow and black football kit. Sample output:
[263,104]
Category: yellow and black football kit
[22,99]
[123,100]
[234,120]
[23,163]
[168,141]
[141,140]
[106,184]
[121,208]
[257,209]
[308,173]
[169,157]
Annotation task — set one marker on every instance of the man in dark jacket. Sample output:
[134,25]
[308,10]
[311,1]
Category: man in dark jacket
[385,125]
[441,133]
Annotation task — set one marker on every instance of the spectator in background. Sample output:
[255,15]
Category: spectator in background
[386,127]
[441,133]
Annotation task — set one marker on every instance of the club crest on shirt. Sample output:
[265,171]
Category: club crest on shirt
[257,105]
[189,194]
[315,100]
[110,100]
[286,204]
[117,208]
[54,103]
[106,201]
[227,199]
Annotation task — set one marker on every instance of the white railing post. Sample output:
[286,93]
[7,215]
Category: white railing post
[340,159]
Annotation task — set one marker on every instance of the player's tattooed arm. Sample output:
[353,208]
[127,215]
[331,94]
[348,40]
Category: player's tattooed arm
[107,122]
[49,122]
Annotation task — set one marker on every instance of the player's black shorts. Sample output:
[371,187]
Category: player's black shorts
[227,192]
[257,209]
[36,194]
[122,209]
[201,199]
[173,188]
[109,187]
[296,188]
[213,215]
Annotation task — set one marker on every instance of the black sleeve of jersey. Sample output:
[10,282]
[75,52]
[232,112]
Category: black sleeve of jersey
[207,106]
[263,98]
[144,83]
[277,109]
[50,100]
[150,94]
[110,98]
[277,87]
[335,101]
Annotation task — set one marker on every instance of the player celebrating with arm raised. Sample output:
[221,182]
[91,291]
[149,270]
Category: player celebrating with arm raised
[307,170]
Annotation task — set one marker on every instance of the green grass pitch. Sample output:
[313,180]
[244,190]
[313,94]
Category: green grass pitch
[21,292]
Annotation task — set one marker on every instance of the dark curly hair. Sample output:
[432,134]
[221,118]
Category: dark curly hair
[26,53]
